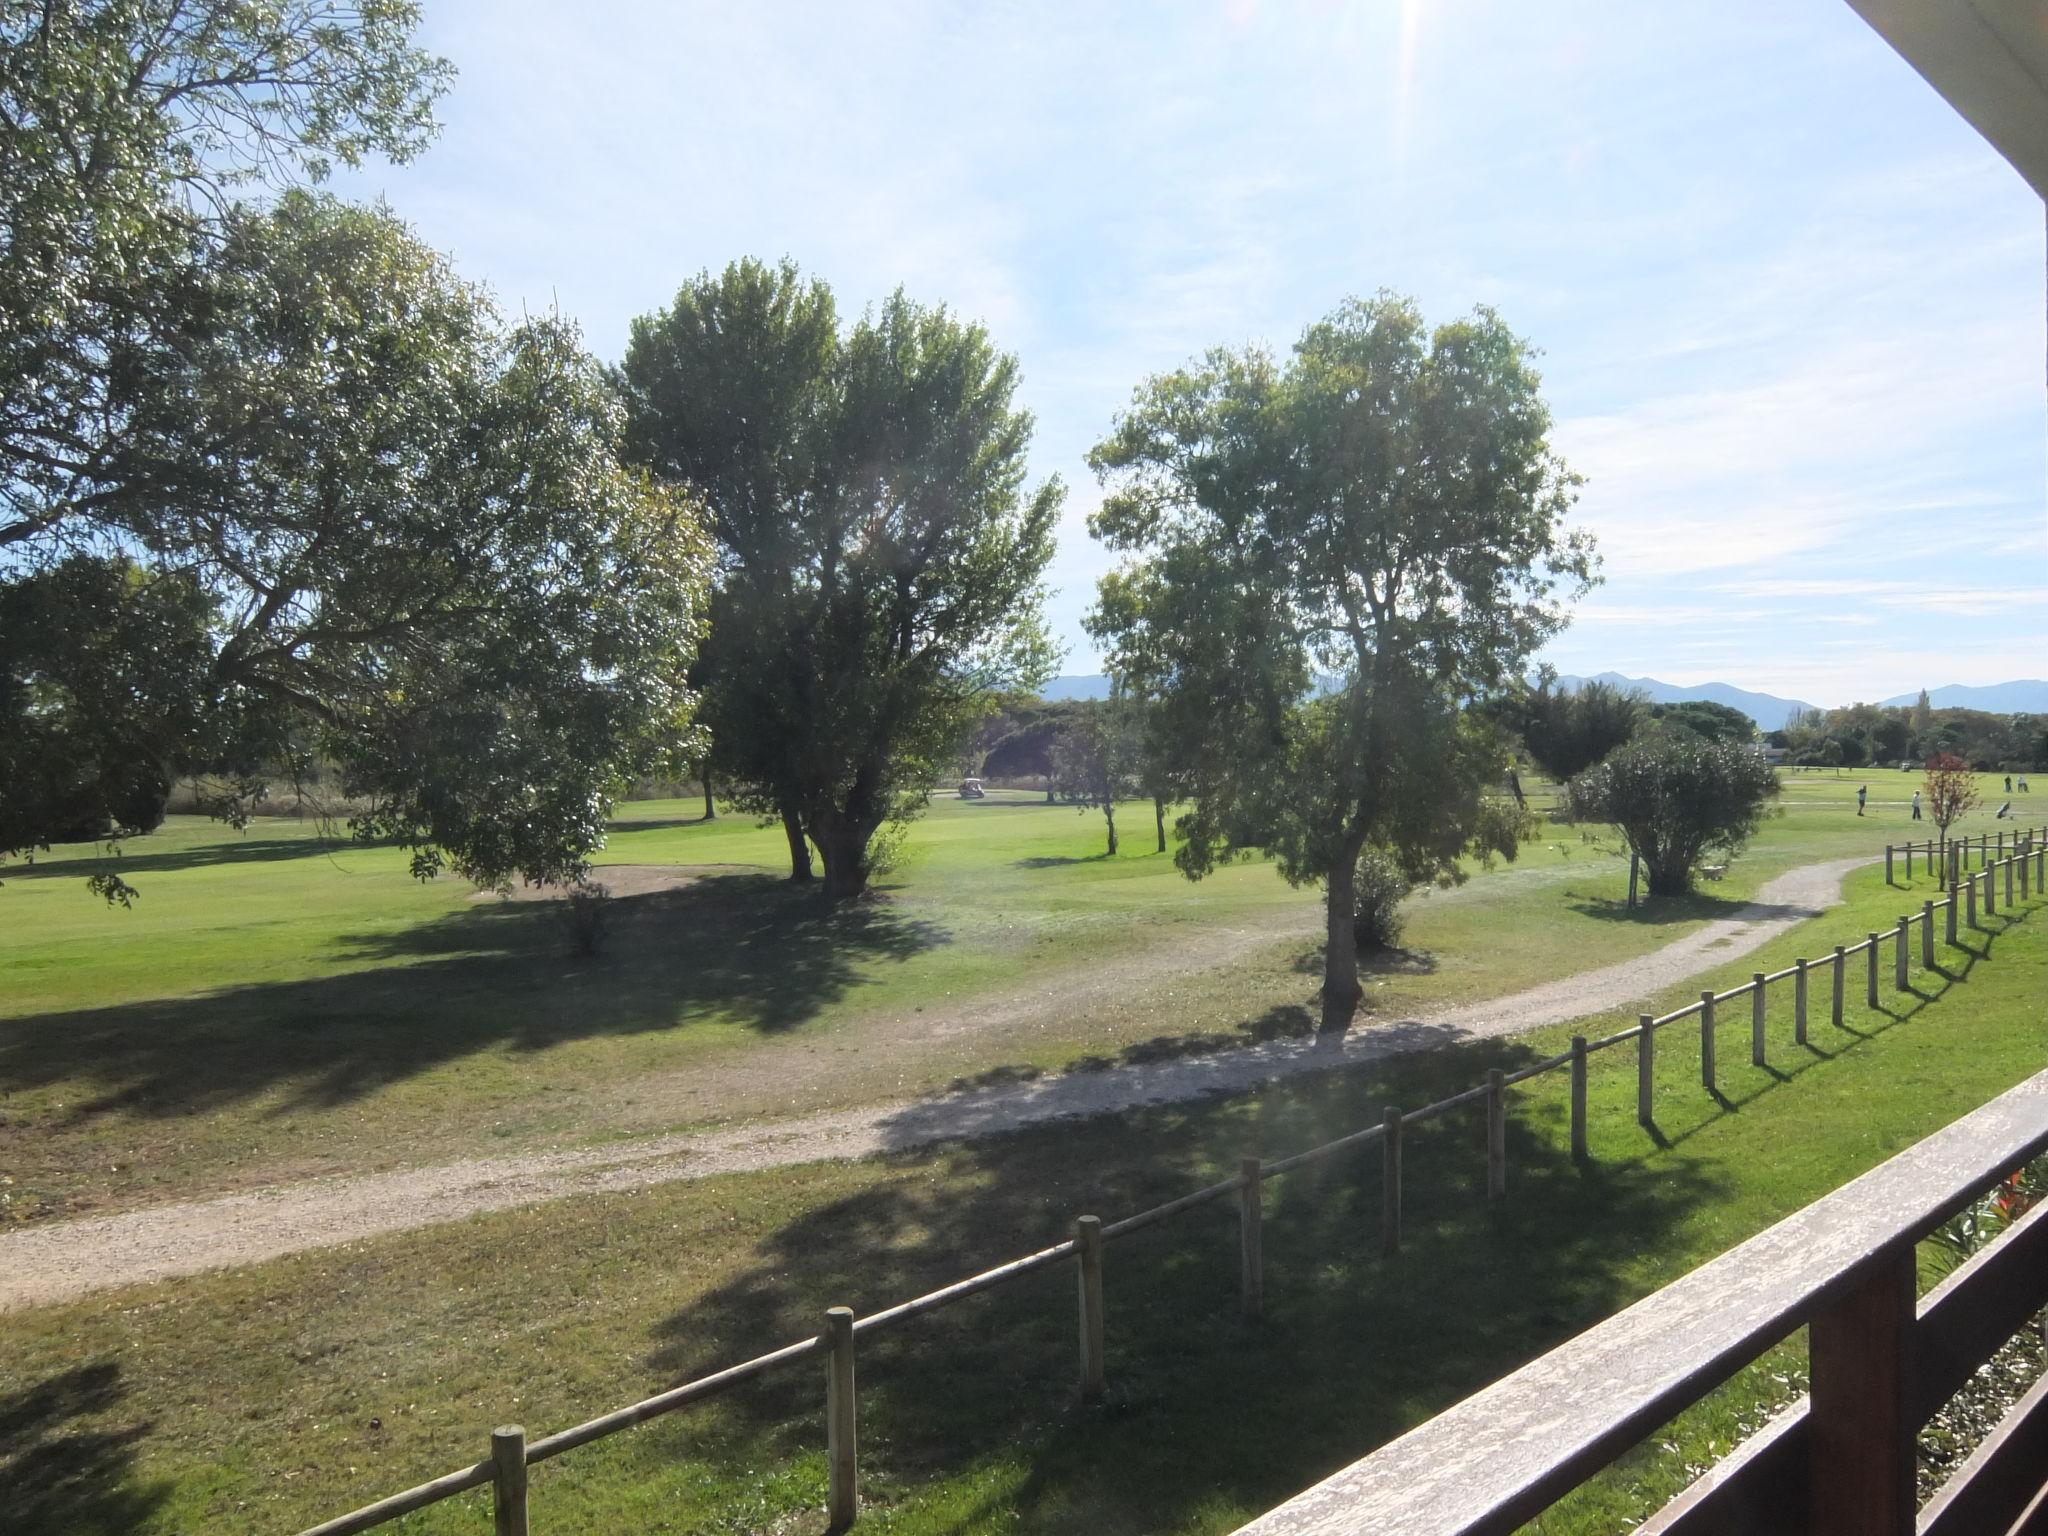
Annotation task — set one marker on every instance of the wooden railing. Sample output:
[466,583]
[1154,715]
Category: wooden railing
[1838,1463]
[2025,870]
[1958,853]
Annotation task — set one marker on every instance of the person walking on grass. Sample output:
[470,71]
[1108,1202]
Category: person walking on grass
[1862,794]
[2008,783]
[1916,805]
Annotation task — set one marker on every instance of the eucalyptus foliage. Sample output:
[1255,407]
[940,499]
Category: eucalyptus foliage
[1328,557]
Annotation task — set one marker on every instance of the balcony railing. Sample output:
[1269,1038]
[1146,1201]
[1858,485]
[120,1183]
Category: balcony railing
[1841,1462]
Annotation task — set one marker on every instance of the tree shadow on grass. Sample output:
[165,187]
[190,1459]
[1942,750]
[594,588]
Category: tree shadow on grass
[1206,1412]
[229,850]
[1662,911]
[744,947]
[66,1460]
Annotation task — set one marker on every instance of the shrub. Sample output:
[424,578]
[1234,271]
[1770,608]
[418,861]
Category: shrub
[1378,888]
[1677,797]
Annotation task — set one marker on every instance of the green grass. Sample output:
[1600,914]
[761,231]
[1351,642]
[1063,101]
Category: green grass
[264,1399]
[278,1005]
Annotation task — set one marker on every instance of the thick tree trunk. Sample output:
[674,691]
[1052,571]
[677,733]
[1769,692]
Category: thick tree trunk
[1109,815]
[844,845]
[799,850]
[1340,950]
[710,810]
[1159,822]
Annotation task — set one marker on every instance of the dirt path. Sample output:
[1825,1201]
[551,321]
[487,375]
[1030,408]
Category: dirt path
[62,1260]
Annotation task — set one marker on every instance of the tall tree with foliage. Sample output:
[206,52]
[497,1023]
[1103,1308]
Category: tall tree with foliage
[1567,730]
[423,557]
[1099,759]
[1383,509]
[730,392]
[126,129]
[1676,797]
[879,554]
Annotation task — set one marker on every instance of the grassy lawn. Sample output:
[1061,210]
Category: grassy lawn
[280,1005]
[265,1399]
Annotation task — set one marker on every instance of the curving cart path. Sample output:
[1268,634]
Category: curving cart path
[66,1259]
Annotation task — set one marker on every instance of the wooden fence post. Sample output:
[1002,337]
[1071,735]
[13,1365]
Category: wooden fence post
[1870,980]
[2008,878]
[1888,864]
[1707,1040]
[1088,1276]
[1990,893]
[1970,900]
[1799,1001]
[1949,919]
[1390,1182]
[1861,1456]
[1909,863]
[842,1455]
[1841,981]
[1757,988]
[1899,954]
[1646,1068]
[1579,1097]
[1251,1236]
[1496,1134]
[1926,935]
[508,1480]
[2026,862]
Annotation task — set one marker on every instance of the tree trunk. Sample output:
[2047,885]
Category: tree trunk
[1109,815]
[844,845]
[799,850]
[1159,821]
[1340,950]
[710,810]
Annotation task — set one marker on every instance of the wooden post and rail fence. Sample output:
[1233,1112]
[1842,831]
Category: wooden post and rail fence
[1953,855]
[504,1469]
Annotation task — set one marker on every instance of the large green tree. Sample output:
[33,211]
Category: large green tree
[879,553]
[407,524]
[730,391]
[126,128]
[1327,557]
[420,537]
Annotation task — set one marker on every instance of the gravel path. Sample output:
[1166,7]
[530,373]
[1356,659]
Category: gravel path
[62,1260]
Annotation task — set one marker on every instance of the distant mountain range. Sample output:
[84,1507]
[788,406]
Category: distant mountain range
[1096,687]
[1768,710]
[2026,696]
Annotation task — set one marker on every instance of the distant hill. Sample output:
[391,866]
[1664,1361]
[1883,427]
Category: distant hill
[1096,687]
[2028,696]
[1768,710]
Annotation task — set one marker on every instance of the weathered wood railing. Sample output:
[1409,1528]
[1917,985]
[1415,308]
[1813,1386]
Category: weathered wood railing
[511,1453]
[1838,1463]
[1955,853]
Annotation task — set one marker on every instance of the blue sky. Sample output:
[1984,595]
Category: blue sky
[1791,307]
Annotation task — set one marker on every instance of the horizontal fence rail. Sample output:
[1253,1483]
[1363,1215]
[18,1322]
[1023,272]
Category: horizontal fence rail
[504,1470]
